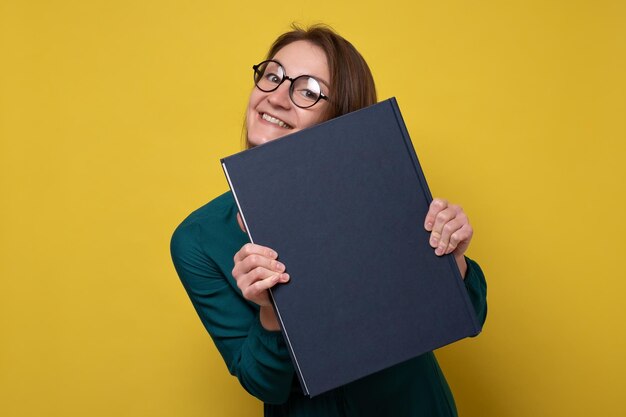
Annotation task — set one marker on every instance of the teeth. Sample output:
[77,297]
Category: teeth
[275,121]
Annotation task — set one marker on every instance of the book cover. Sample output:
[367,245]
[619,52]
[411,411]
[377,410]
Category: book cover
[343,203]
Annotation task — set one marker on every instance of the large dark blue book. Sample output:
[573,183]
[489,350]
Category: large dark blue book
[343,203]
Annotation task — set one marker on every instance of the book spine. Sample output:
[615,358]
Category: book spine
[420,175]
[274,305]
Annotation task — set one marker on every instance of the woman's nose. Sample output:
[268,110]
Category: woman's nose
[280,96]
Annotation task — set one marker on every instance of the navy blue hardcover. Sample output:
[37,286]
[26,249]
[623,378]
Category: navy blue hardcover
[344,203]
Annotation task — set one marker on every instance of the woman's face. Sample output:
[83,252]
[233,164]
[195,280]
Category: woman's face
[272,115]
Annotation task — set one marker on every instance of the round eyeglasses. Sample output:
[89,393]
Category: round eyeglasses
[304,91]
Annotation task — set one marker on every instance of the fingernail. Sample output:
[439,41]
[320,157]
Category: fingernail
[439,251]
[285,277]
[273,254]
[433,241]
[280,266]
[429,225]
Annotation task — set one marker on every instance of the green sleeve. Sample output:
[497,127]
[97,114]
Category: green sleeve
[477,289]
[257,357]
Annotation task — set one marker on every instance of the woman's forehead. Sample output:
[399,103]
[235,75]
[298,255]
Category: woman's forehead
[304,58]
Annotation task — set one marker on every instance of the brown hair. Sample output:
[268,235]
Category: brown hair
[351,83]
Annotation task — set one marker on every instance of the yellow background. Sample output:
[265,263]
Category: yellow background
[113,115]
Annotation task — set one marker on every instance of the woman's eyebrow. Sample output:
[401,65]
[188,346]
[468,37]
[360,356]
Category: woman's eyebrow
[323,81]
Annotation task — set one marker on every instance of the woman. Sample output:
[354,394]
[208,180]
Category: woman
[309,76]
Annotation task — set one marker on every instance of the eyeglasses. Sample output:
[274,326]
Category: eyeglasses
[304,91]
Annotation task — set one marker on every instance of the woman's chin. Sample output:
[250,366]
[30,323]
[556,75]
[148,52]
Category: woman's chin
[255,140]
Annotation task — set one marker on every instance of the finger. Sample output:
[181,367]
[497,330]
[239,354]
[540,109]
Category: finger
[255,261]
[245,280]
[240,221]
[259,273]
[443,217]
[255,291]
[460,238]
[449,228]
[251,249]
[437,205]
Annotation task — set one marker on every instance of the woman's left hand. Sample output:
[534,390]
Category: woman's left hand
[450,231]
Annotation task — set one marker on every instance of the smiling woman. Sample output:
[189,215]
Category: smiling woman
[273,108]
[308,76]
[348,80]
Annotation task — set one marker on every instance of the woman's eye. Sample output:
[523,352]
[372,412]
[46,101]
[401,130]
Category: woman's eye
[308,94]
[273,78]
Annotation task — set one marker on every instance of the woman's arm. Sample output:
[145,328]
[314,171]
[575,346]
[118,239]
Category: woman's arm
[256,356]
[476,286]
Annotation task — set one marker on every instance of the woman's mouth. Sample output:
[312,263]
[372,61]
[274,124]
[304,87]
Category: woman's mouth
[275,121]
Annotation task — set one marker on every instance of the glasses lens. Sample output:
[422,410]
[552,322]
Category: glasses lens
[305,91]
[268,75]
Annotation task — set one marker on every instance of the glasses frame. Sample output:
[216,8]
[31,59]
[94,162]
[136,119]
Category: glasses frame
[291,80]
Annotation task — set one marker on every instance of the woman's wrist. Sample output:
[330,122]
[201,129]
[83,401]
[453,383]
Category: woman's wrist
[462,264]
[268,318]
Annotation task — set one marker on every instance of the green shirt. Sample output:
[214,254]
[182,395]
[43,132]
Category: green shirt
[202,249]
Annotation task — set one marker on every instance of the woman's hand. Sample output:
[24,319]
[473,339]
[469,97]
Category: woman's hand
[256,270]
[450,231]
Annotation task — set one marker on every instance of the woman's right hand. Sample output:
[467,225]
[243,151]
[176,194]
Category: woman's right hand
[256,270]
